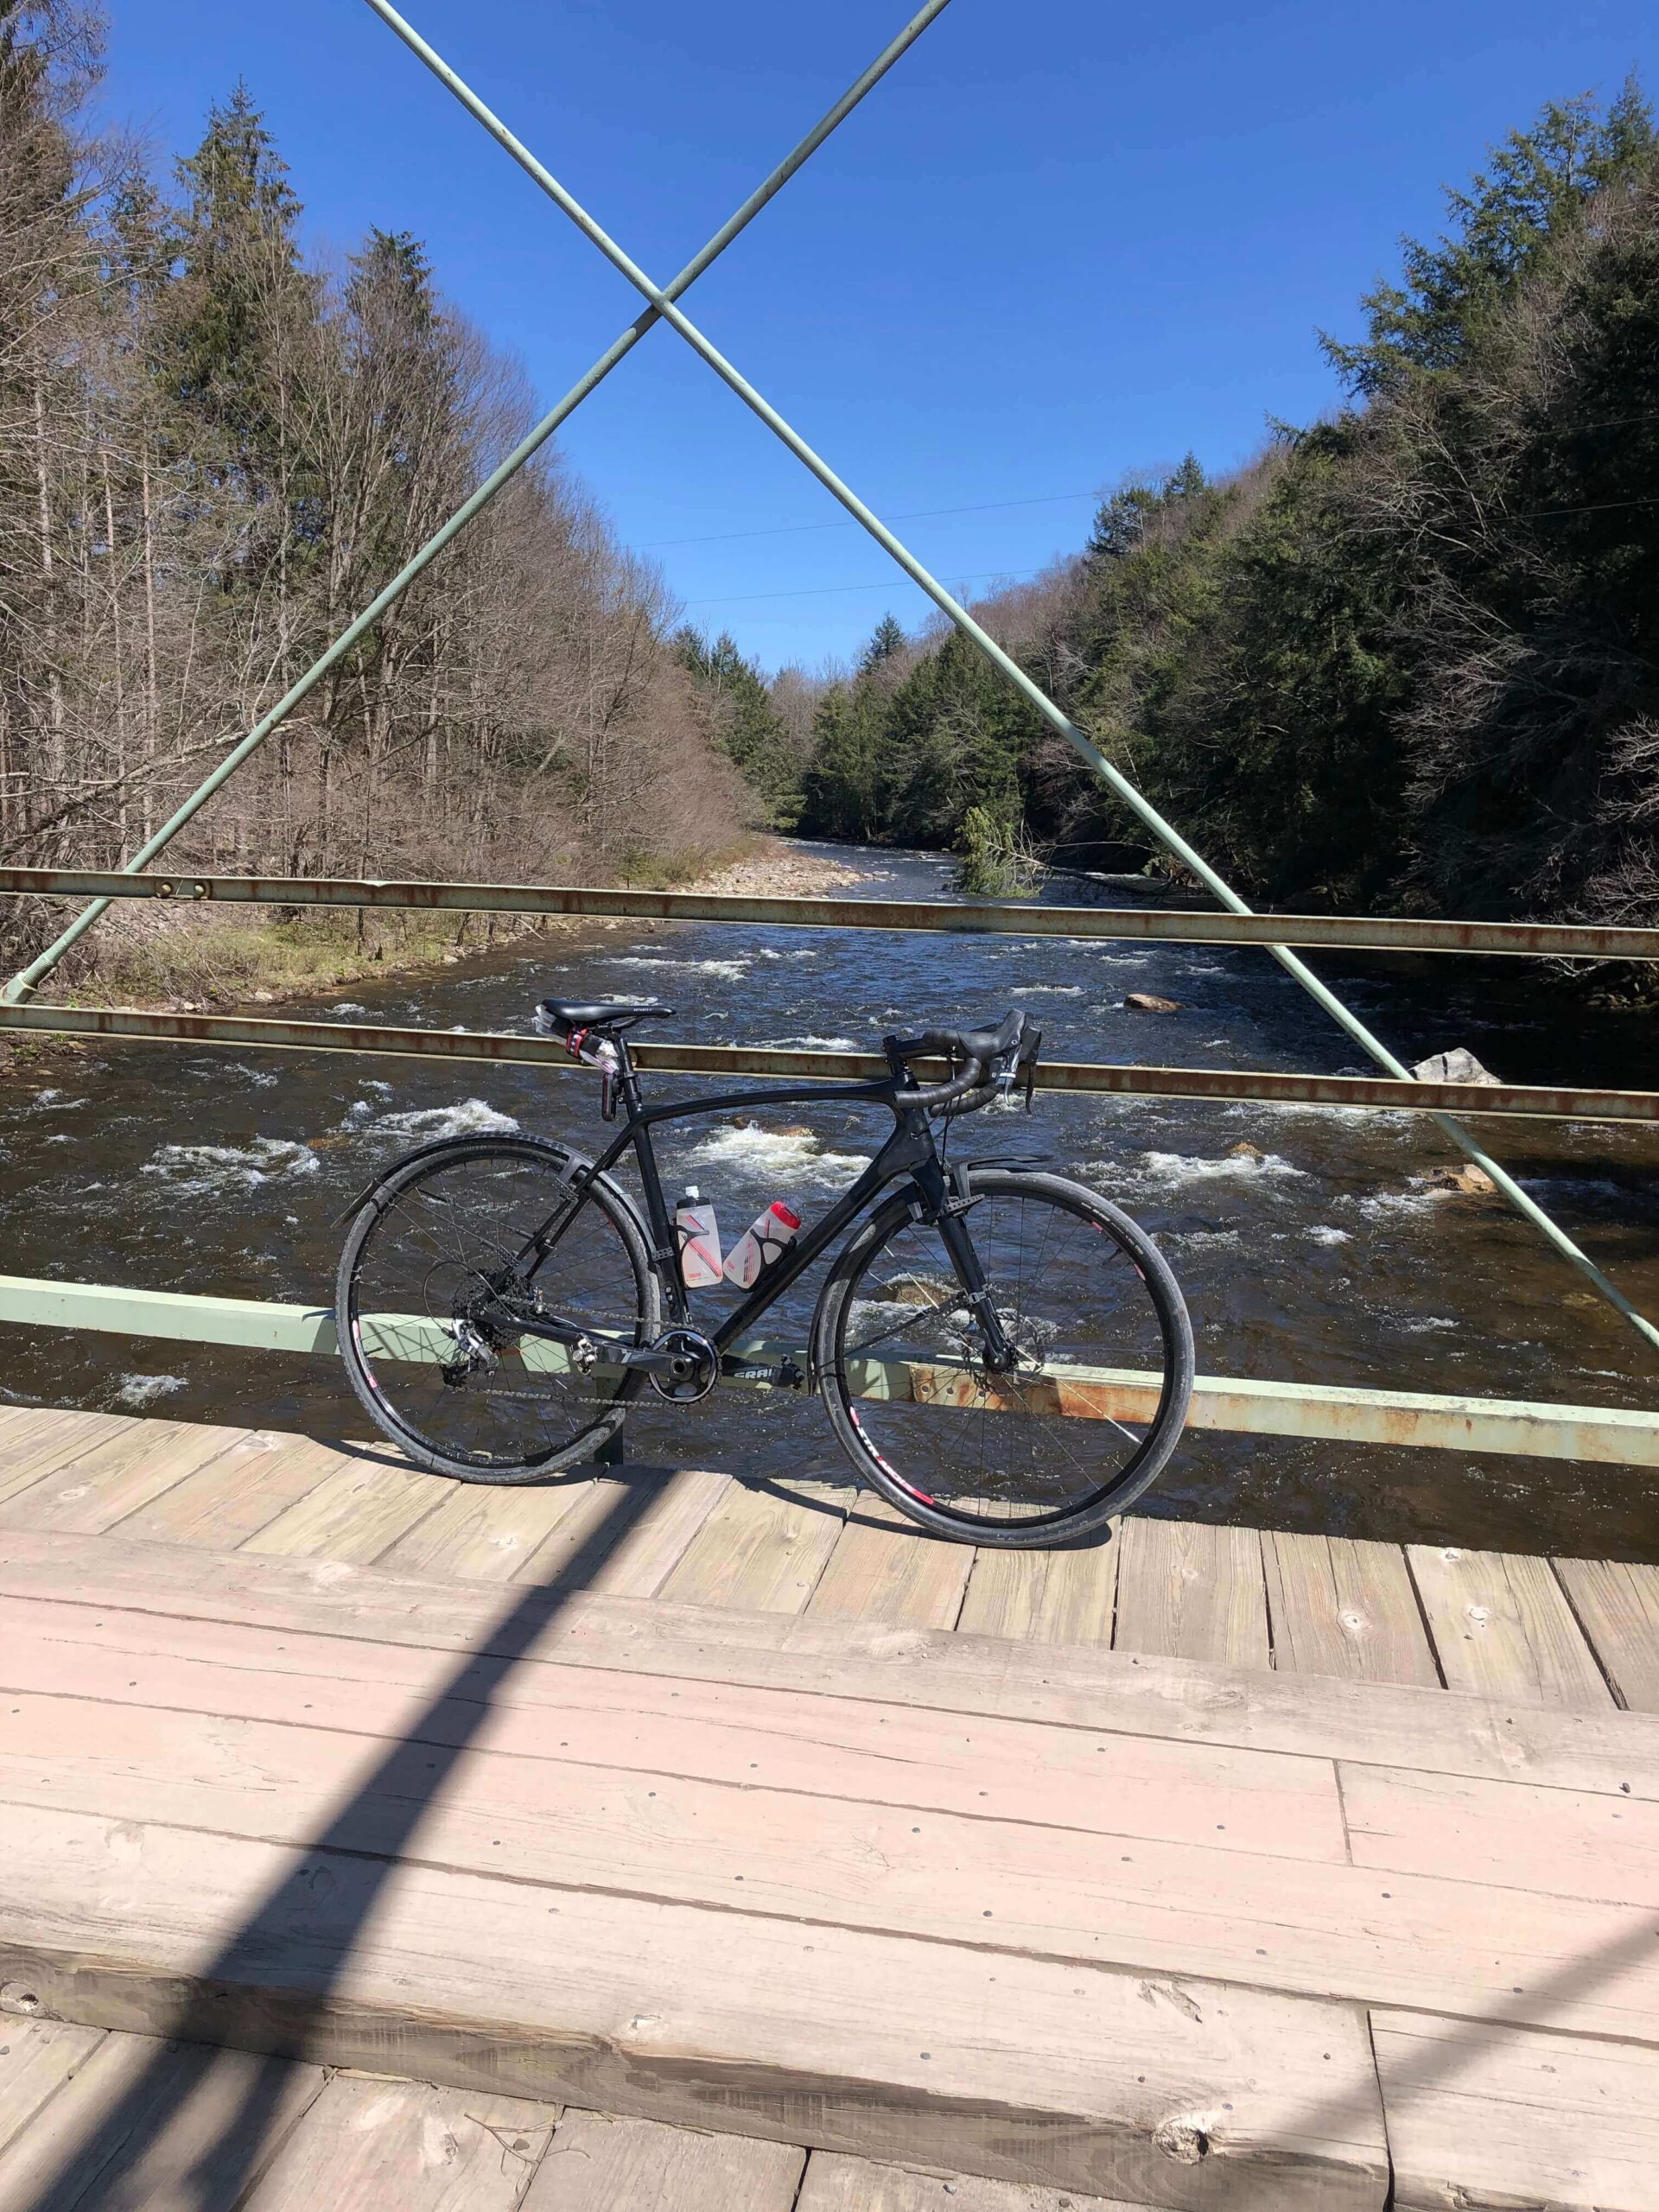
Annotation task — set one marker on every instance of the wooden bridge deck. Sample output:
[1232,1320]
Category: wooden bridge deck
[1166,1873]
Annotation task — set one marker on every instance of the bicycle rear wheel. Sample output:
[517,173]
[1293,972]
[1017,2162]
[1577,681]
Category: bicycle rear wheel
[440,1266]
[1042,1454]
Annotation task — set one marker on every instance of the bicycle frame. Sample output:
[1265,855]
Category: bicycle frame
[909,1152]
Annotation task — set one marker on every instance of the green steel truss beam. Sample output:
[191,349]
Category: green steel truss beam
[1244,1406]
[1126,791]
[23,983]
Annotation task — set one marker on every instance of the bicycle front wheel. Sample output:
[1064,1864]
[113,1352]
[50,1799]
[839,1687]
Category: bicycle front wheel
[1084,1421]
[449,1253]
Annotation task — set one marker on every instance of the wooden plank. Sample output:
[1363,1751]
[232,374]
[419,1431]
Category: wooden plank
[1017,2068]
[1058,1596]
[757,1739]
[386,2145]
[114,1477]
[647,1553]
[1502,1627]
[484,1532]
[1482,2116]
[1567,1842]
[36,2058]
[838,2184]
[149,2126]
[1116,1694]
[1192,1590]
[43,1440]
[237,1494]
[601,2164]
[353,1514]
[762,1549]
[1339,1607]
[1617,1606]
[885,1568]
[1302,1927]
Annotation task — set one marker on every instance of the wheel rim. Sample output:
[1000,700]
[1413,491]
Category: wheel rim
[437,1285]
[978,1448]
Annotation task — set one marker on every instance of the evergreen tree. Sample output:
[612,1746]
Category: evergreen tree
[1539,180]
[747,724]
[889,640]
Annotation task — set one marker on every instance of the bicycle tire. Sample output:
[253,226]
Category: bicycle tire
[1038,1530]
[637,1303]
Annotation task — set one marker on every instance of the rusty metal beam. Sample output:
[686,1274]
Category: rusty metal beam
[1334,1093]
[1365,933]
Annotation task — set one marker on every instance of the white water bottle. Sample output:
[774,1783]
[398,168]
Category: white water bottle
[699,1240]
[762,1243]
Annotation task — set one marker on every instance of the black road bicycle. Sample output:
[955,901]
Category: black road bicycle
[503,1298]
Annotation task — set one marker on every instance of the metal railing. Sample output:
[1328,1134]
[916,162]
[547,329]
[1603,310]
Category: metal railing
[1406,1418]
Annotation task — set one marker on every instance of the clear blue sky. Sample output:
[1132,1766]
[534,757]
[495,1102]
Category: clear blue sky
[1063,241]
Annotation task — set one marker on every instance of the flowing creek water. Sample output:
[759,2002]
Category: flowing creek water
[1311,1246]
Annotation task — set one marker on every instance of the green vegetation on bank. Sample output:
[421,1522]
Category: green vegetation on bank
[1406,657]
[213,453]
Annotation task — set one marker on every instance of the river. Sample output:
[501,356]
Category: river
[1314,1246]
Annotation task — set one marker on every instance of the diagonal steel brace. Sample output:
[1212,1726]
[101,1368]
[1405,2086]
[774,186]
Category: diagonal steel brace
[663,301]
[21,985]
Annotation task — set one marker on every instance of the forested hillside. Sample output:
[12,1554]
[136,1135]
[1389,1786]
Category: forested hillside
[213,454]
[1409,657]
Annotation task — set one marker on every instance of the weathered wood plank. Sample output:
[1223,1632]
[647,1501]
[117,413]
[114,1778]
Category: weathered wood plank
[114,1477]
[602,2164]
[1116,1694]
[1483,2116]
[386,2145]
[1058,1596]
[150,2124]
[37,1441]
[238,1493]
[1567,1842]
[1339,1607]
[36,2058]
[885,1568]
[981,2062]
[837,2184]
[762,1549]
[355,1513]
[650,1548]
[757,1738]
[1502,1627]
[1304,1927]
[1617,1606]
[484,1533]
[1192,1590]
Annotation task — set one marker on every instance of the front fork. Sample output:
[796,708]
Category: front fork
[946,1203]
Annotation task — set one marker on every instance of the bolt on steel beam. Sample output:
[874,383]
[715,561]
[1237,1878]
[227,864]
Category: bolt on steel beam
[1181,925]
[1128,792]
[23,983]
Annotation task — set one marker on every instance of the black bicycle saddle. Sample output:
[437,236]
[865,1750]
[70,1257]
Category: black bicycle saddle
[600,1014]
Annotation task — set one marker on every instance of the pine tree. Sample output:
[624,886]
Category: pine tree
[1539,178]
[748,726]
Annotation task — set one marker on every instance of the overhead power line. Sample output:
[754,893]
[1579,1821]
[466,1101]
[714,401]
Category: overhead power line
[915,514]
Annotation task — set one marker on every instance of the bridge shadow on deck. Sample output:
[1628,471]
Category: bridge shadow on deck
[369,1834]
[117,2164]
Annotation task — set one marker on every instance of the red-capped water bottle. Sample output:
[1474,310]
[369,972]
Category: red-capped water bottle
[762,1244]
[699,1234]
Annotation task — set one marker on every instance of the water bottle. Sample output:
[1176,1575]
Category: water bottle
[762,1244]
[699,1234]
